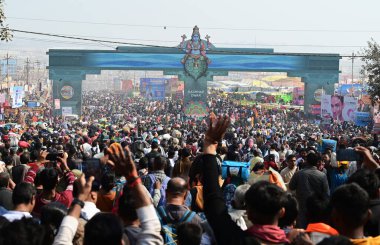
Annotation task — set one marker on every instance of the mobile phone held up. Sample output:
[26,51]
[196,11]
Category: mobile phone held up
[348,155]
[54,156]
[92,167]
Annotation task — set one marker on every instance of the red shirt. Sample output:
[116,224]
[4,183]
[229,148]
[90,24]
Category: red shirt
[270,164]
[65,197]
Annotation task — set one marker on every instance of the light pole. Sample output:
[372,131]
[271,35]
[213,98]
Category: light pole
[352,67]
[7,58]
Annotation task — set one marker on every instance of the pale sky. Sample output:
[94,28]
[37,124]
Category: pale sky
[334,26]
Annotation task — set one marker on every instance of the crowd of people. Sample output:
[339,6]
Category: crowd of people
[133,171]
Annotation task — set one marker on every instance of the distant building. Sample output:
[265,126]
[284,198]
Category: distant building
[10,68]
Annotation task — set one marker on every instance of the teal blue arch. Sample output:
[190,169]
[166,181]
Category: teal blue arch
[70,67]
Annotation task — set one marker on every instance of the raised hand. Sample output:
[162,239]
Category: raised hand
[121,161]
[368,160]
[215,133]
[84,187]
[217,129]
[63,161]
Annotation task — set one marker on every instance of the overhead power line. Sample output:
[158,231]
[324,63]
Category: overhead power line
[160,46]
[187,27]
[61,41]
[86,39]
[223,43]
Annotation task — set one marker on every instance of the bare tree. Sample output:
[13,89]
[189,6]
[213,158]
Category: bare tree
[5,32]
[371,67]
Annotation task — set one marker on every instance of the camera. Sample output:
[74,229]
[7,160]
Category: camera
[54,156]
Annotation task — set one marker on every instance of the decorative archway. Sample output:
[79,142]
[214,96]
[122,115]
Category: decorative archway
[202,61]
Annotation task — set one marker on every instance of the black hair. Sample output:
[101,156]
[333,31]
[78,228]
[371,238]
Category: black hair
[4,179]
[313,159]
[48,178]
[271,157]
[124,144]
[70,149]
[290,157]
[318,208]
[24,232]
[291,211]
[159,163]
[103,228]
[102,146]
[19,150]
[25,157]
[189,234]
[12,151]
[34,155]
[352,202]
[7,160]
[154,145]
[302,150]
[223,150]
[23,193]
[232,155]
[258,166]
[143,163]
[108,181]
[336,240]
[127,210]
[367,180]
[265,198]
[171,153]
[52,215]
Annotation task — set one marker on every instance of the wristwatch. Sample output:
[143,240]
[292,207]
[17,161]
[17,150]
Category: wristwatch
[77,201]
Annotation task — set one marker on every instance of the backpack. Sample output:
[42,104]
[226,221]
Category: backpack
[197,203]
[164,185]
[169,226]
[272,176]
[235,169]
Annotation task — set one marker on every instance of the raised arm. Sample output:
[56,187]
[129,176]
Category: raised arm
[368,161]
[226,231]
[123,164]
[69,224]
[32,172]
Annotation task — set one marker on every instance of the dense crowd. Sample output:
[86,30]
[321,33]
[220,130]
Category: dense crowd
[132,171]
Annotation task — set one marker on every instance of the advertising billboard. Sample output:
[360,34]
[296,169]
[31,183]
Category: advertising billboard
[153,88]
[338,108]
[127,87]
[17,96]
[349,108]
[362,118]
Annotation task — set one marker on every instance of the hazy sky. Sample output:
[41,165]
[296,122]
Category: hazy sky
[337,26]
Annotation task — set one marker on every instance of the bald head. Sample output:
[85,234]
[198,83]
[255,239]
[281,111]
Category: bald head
[177,187]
